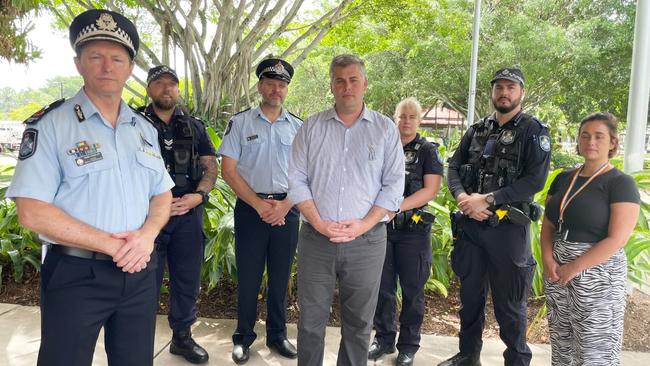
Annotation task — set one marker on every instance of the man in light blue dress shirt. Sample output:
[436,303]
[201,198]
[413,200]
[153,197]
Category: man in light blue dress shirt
[255,151]
[90,180]
[346,173]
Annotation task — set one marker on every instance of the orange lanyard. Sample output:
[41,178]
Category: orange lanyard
[566,199]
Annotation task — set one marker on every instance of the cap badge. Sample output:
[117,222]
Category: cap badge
[105,22]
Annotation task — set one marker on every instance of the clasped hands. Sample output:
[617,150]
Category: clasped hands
[342,231]
[273,212]
[134,249]
[474,206]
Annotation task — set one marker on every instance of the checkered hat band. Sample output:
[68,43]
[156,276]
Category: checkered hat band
[275,70]
[91,32]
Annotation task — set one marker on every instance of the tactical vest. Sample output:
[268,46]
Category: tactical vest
[495,155]
[178,146]
[414,179]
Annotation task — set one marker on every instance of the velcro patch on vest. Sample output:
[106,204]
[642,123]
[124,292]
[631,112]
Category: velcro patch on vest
[545,143]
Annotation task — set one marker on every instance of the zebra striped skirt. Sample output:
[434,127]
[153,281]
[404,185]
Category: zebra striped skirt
[585,317]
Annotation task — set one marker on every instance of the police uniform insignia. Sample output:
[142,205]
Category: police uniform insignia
[507,137]
[28,143]
[228,128]
[85,153]
[168,143]
[79,113]
[545,143]
[409,156]
[43,111]
[106,22]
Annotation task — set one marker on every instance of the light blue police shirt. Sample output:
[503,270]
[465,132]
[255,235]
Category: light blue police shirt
[261,148]
[100,175]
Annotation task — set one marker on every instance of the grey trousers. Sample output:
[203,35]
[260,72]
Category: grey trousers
[357,265]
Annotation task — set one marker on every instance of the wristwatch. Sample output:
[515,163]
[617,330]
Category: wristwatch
[204,196]
[490,199]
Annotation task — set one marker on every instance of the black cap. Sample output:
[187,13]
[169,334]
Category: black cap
[512,74]
[275,68]
[158,71]
[106,25]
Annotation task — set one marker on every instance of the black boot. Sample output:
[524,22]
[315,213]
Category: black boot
[462,360]
[184,345]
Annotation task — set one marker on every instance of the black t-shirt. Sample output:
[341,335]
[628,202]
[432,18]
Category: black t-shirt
[587,215]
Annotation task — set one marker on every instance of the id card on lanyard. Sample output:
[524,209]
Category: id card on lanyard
[566,199]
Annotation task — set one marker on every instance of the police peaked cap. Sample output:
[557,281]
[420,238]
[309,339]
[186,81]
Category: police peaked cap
[512,74]
[156,72]
[275,68]
[104,25]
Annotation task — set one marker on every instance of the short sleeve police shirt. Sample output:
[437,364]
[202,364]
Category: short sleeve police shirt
[100,175]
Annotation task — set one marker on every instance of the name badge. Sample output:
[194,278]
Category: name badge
[251,138]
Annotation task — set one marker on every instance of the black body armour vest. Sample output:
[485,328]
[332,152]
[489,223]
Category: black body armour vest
[414,179]
[178,145]
[495,155]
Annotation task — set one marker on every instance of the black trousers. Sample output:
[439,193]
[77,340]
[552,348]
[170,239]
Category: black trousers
[408,257]
[180,245]
[80,296]
[258,244]
[498,258]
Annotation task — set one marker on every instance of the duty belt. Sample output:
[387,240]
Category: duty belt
[78,252]
[272,196]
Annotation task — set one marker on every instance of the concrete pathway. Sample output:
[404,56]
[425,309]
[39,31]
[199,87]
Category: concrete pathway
[20,336]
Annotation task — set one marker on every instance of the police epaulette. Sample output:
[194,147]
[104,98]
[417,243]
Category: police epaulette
[142,113]
[43,111]
[197,119]
[240,112]
[296,116]
[541,123]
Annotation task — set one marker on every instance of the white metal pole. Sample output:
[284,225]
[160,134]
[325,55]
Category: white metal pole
[637,110]
[474,63]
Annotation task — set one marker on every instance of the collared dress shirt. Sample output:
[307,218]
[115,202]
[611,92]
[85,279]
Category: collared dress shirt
[261,148]
[100,175]
[346,171]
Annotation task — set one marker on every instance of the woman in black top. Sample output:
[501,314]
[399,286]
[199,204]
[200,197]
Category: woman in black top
[590,214]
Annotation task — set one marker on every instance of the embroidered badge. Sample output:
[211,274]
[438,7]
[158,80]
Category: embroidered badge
[85,153]
[28,143]
[545,143]
[409,157]
[168,143]
[507,137]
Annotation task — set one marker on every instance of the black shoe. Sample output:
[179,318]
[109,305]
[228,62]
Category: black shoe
[462,360]
[284,348]
[240,354]
[184,345]
[405,359]
[377,350]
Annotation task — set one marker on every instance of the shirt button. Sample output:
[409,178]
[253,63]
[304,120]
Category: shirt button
[346,149]
[343,188]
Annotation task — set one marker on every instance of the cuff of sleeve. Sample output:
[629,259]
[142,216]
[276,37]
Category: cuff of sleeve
[41,196]
[389,203]
[498,197]
[297,195]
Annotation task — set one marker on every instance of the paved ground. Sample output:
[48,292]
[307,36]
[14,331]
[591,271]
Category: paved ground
[20,334]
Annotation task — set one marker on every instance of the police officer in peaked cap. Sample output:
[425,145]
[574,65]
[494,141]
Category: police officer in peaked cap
[502,161]
[191,161]
[91,182]
[255,151]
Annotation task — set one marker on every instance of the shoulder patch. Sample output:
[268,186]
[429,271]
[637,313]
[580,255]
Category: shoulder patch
[300,119]
[43,111]
[545,143]
[28,143]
